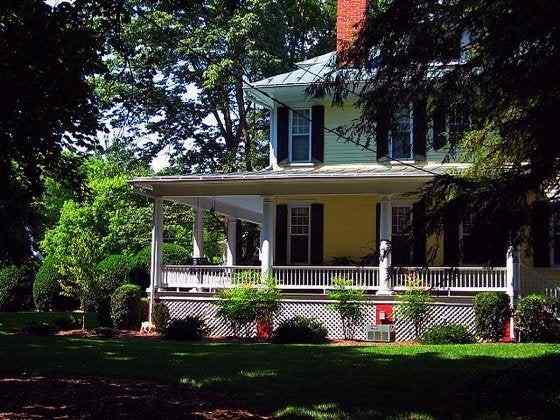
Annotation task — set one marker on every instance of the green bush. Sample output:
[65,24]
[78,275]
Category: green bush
[300,329]
[12,288]
[191,328]
[491,311]
[172,254]
[447,334]
[414,306]
[160,317]
[40,329]
[114,271]
[46,287]
[125,306]
[534,318]
[348,303]
[67,322]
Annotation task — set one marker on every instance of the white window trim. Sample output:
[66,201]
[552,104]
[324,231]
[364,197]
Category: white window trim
[291,160]
[289,238]
[409,159]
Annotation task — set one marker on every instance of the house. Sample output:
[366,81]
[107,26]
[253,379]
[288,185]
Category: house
[325,201]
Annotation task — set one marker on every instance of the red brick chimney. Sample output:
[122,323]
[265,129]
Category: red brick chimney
[349,16]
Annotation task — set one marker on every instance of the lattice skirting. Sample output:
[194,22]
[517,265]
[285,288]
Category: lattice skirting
[205,308]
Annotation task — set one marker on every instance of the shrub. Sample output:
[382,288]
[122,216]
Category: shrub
[300,329]
[12,281]
[414,306]
[160,317]
[172,254]
[125,306]
[534,318]
[190,328]
[491,311]
[65,323]
[46,287]
[348,303]
[447,334]
[38,329]
[114,271]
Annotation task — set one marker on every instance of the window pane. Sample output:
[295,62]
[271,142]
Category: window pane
[299,248]
[401,140]
[300,148]
[401,220]
[300,135]
[458,121]
[299,235]
[300,121]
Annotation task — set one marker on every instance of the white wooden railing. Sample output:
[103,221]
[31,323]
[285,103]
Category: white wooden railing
[458,279]
[452,279]
[202,276]
[321,277]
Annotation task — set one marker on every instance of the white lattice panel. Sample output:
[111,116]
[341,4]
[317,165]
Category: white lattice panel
[439,314]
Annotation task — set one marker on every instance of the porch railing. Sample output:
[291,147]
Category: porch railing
[321,277]
[202,276]
[468,279]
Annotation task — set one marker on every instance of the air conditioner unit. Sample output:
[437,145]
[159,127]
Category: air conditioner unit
[384,333]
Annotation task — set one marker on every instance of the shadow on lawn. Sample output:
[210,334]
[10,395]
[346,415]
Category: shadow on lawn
[291,381]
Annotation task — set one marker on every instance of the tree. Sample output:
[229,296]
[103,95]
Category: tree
[504,56]
[414,305]
[349,304]
[42,112]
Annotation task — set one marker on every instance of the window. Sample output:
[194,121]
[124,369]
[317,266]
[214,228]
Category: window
[458,121]
[555,238]
[401,245]
[300,135]
[401,136]
[299,244]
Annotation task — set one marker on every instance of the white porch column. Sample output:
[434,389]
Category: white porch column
[512,279]
[198,238]
[385,228]
[231,243]
[266,236]
[155,263]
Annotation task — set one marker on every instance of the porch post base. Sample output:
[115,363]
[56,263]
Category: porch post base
[385,292]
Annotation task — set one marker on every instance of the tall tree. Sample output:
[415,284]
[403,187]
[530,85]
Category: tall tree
[46,56]
[499,60]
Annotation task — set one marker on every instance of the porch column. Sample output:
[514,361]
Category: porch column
[385,228]
[155,262]
[231,242]
[266,236]
[512,280]
[197,232]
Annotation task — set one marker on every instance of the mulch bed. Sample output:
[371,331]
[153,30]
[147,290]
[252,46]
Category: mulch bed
[100,398]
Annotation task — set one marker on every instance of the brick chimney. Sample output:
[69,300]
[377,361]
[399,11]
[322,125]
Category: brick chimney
[349,16]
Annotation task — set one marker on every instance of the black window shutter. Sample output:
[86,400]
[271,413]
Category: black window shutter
[377,231]
[282,134]
[451,240]
[316,233]
[439,120]
[239,242]
[540,227]
[281,233]
[420,129]
[382,136]
[419,233]
[318,133]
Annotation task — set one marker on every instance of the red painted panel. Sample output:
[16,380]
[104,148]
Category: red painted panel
[385,309]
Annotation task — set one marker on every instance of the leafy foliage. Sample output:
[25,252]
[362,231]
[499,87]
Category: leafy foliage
[447,334]
[11,282]
[491,312]
[414,306]
[113,271]
[160,317]
[191,328]
[348,303]
[300,329]
[125,306]
[535,318]
[46,287]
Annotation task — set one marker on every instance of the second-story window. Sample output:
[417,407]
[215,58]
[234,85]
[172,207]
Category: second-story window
[300,135]
[400,139]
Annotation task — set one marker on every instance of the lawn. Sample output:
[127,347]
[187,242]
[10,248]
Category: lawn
[308,381]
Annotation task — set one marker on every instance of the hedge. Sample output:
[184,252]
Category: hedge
[114,271]
[46,287]
[14,291]
[491,312]
[125,306]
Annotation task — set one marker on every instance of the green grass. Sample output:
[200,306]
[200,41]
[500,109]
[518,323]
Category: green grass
[320,381]
[11,322]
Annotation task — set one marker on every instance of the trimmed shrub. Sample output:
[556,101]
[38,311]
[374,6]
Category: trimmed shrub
[191,328]
[172,254]
[447,334]
[534,318]
[491,311]
[12,281]
[414,306]
[114,271]
[46,287]
[348,303]
[300,329]
[125,306]
[160,317]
